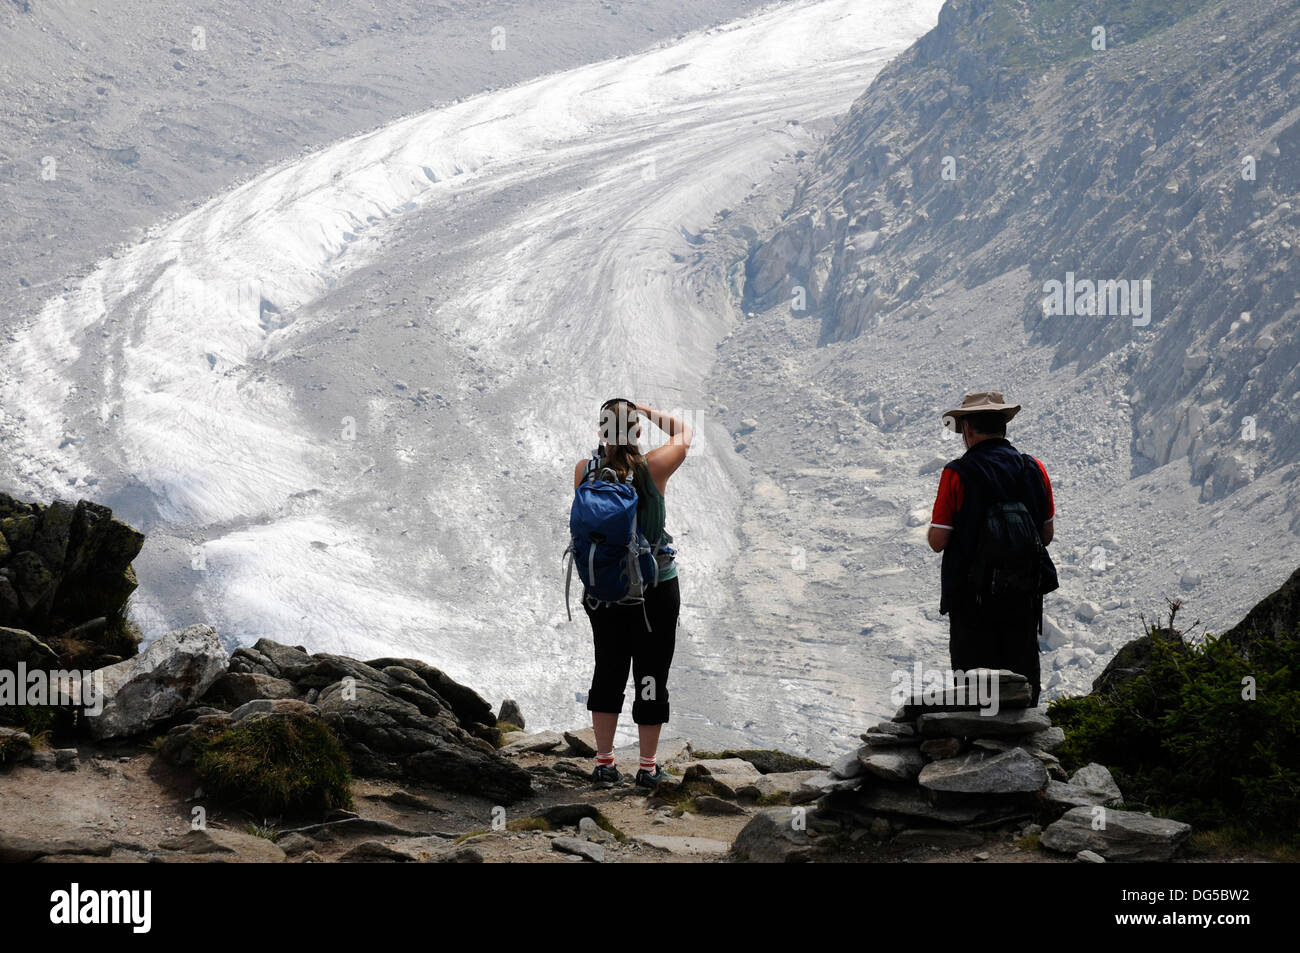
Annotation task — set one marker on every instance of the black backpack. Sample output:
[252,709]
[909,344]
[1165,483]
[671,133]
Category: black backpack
[1008,560]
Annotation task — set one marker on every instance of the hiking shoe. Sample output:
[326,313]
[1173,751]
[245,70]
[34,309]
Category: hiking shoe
[606,776]
[644,779]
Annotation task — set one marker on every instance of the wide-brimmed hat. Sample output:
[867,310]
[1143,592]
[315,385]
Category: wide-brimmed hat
[983,402]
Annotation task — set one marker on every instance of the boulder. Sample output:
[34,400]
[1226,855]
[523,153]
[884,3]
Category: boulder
[708,804]
[1048,740]
[771,836]
[567,815]
[468,705]
[236,688]
[169,676]
[17,646]
[728,775]
[540,741]
[283,661]
[1123,835]
[847,766]
[1065,796]
[1134,658]
[1096,778]
[273,706]
[977,772]
[460,768]
[511,714]
[784,784]
[389,727]
[822,783]
[579,848]
[582,742]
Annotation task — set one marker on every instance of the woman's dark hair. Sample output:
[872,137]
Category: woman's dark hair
[990,423]
[619,421]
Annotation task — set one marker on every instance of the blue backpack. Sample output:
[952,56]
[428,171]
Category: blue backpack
[615,561]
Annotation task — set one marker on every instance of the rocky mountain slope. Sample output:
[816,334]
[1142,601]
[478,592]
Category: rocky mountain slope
[1005,139]
[884,291]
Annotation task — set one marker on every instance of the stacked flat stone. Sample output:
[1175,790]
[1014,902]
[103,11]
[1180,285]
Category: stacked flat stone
[943,761]
[942,764]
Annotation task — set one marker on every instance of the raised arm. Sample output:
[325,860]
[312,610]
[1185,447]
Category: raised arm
[664,461]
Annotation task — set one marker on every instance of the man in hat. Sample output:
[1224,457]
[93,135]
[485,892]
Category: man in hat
[991,625]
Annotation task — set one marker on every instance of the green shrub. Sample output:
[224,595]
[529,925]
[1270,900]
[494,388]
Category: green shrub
[1182,741]
[275,765]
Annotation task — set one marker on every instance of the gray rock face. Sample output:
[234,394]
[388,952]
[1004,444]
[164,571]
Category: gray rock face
[822,782]
[468,705]
[1048,740]
[892,764]
[272,706]
[1066,796]
[169,676]
[1016,721]
[579,848]
[1125,836]
[978,83]
[390,727]
[511,713]
[784,783]
[728,775]
[392,721]
[1096,778]
[1008,772]
[582,742]
[63,565]
[708,804]
[847,766]
[236,688]
[772,837]
[18,646]
[540,741]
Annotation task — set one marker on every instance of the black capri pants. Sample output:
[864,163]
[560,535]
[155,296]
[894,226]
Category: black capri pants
[621,642]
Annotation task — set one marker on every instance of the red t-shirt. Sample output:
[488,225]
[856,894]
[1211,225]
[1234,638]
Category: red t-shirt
[948,502]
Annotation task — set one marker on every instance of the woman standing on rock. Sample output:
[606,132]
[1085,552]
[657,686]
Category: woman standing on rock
[620,630]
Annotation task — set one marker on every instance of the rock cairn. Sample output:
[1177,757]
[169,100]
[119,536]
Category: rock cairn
[943,772]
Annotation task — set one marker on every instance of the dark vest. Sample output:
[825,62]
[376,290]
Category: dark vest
[991,471]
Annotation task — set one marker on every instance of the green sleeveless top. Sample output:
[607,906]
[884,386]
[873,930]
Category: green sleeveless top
[651,514]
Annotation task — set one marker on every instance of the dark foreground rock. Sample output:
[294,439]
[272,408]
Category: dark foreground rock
[395,717]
